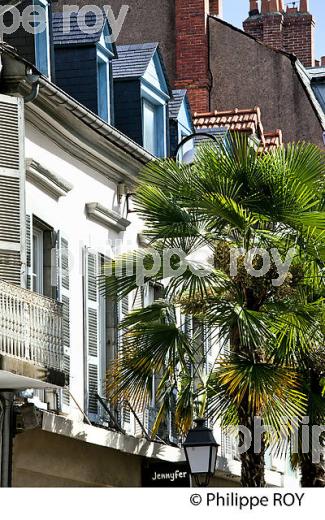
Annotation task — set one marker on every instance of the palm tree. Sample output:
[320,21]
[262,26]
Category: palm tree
[232,204]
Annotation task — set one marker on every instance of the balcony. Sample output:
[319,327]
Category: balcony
[31,341]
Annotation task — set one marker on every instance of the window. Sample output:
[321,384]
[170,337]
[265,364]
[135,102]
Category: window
[38,262]
[42,37]
[154,124]
[104,86]
[150,127]
[39,242]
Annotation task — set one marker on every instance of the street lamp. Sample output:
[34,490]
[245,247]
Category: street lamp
[201,450]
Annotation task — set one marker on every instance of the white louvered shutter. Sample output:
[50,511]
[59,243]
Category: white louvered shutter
[12,188]
[126,417]
[95,328]
[63,282]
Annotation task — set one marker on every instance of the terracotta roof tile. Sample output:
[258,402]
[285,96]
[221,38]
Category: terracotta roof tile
[240,120]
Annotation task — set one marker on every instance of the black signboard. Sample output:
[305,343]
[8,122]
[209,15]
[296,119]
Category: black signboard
[165,474]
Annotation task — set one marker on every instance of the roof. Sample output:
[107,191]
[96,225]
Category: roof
[273,140]
[133,60]
[239,120]
[307,81]
[69,30]
[176,101]
[316,72]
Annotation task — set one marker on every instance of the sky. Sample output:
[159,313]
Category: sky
[235,11]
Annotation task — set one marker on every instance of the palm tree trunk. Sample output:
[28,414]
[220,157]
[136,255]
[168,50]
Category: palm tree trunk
[252,464]
[312,473]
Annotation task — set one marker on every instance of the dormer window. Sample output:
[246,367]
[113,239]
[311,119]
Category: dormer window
[42,37]
[83,62]
[141,95]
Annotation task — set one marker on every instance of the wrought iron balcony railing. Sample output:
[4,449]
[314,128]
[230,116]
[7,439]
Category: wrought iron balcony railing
[30,327]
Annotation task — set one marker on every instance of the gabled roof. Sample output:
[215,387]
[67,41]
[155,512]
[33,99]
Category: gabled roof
[68,30]
[137,61]
[134,60]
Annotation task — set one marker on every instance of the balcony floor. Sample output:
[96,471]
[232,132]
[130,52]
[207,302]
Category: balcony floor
[10,381]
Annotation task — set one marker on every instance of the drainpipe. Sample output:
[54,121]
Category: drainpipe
[33,80]
[6,437]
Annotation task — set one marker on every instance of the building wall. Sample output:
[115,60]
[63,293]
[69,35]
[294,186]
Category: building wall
[69,217]
[42,459]
[246,74]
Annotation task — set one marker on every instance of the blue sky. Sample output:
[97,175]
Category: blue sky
[235,11]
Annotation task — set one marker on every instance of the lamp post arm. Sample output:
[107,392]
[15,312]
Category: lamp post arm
[192,136]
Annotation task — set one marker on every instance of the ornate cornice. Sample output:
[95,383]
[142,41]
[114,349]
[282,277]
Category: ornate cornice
[106,217]
[46,180]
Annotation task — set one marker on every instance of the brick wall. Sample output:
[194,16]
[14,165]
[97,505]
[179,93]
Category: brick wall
[291,30]
[192,52]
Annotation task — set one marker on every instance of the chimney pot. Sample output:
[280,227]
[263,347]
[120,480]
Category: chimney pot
[215,8]
[317,63]
[265,6]
[322,61]
[253,7]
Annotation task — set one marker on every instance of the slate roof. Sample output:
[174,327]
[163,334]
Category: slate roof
[218,133]
[70,30]
[133,61]
[175,103]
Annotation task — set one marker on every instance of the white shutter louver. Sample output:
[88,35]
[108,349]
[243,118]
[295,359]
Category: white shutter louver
[12,183]
[29,234]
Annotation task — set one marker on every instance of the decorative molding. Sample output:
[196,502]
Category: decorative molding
[106,217]
[143,241]
[46,180]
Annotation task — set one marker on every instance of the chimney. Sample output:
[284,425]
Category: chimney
[322,61]
[215,8]
[192,51]
[291,30]
[317,63]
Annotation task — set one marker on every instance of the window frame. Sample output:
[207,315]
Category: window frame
[38,44]
[103,59]
[148,95]
[38,263]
